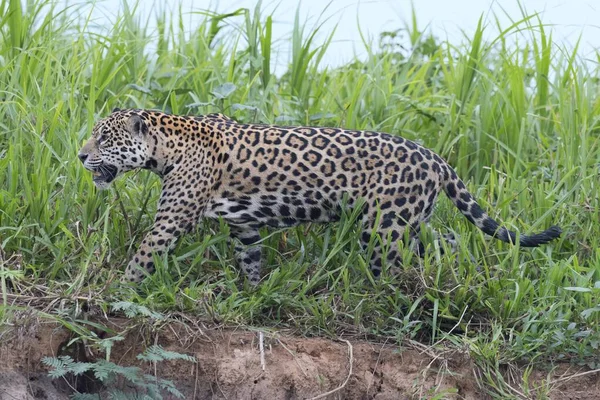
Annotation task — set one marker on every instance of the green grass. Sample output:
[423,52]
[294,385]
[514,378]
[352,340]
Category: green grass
[520,123]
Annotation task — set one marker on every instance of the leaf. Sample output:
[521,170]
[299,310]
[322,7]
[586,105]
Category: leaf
[157,353]
[102,369]
[318,116]
[578,289]
[237,106]
[223,91]
[199,104]
[65,365]
[170,387]
[586,313]
[132,310]
[583,334]
[57,365]
[179,91]
[285,118]
[80,368]
[101,373]
[139,88]
[52,362]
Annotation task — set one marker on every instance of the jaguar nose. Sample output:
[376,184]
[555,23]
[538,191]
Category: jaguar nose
[82,156]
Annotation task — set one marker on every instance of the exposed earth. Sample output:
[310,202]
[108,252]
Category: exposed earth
[229,366]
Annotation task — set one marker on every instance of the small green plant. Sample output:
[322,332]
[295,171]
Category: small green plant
[110,374]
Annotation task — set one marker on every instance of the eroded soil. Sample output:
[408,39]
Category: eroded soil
[229,366]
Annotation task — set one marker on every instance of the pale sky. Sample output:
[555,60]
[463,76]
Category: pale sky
[568,19]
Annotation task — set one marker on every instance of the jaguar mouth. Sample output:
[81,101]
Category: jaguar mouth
[104,173]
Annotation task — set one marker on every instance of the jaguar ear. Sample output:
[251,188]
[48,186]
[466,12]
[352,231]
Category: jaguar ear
[116,109]
[137,126]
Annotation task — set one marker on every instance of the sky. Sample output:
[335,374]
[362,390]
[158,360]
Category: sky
[568,20]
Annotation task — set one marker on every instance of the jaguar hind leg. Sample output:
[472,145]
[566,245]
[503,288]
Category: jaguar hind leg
[444,241]
[384,244]
[391,229]
[449,239]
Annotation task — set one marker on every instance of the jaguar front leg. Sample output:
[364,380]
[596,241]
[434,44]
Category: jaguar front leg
[248,252]
[175,216]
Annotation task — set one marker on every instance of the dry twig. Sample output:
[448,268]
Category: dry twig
[343,385]
[261,346]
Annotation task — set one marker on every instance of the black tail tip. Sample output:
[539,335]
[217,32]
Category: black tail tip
[541,238]
[553,232]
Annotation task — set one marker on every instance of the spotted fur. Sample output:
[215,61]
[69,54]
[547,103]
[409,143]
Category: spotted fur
[254,176]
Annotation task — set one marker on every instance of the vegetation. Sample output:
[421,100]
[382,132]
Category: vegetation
[520,123]
[108,372]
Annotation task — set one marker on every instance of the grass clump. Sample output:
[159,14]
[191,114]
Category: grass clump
[520,123]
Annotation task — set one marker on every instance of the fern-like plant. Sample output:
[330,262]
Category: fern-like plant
[107,372]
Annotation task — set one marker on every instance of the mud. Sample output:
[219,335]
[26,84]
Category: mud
[229,366]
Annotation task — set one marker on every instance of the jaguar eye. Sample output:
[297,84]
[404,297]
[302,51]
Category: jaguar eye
[101,138]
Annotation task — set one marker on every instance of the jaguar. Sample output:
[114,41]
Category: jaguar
[254,176]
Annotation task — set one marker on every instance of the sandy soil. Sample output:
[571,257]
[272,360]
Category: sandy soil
[229,366]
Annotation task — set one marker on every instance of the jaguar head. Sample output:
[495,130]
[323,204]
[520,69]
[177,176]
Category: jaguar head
[118,144]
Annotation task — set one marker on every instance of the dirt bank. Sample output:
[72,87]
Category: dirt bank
[229,366]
